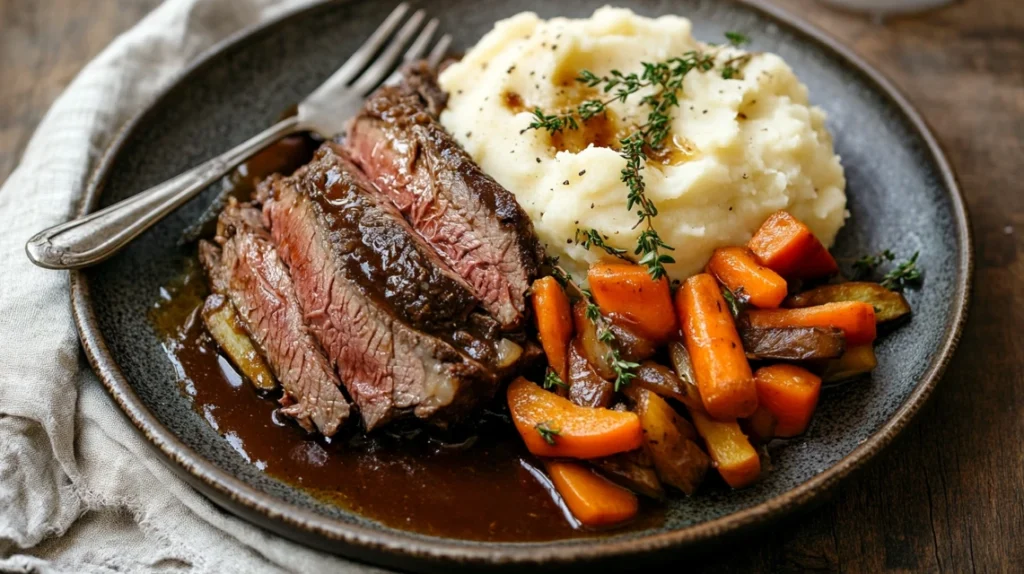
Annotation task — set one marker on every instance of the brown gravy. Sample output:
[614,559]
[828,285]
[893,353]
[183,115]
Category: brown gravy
[485,488]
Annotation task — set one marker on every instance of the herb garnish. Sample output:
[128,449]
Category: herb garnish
[666,78]
[546,432]
[552,380]
[592,237]
[906,273]
[737,301]
[867,265]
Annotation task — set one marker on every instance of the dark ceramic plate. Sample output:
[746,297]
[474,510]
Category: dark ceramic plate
[902,195]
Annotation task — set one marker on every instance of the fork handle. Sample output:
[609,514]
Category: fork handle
[90,239]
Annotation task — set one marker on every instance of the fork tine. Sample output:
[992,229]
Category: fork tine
[361,57]
[439,50]
[419,47]
[386,60]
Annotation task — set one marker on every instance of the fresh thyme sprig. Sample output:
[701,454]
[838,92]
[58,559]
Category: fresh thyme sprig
[904,275]
[552,380]
[867,265]
[666,80]
[592,237]
[737,301]
[547,432]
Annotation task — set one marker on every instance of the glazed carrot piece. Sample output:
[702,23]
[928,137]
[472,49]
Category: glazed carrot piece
[739,270]
[720,366]
[785,245]
[760,426]
[592,499]
[855,319]
[627,290]
[734,456]
[553,426]
[790,393]
[554,323]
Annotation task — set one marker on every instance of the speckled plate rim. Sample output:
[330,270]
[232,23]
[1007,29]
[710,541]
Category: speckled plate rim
[394,548]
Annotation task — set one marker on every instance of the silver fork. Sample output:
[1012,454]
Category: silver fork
[90,239]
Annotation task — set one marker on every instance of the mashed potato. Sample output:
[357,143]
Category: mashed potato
[739,149]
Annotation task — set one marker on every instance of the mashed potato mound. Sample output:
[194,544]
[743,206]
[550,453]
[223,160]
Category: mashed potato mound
[739,149]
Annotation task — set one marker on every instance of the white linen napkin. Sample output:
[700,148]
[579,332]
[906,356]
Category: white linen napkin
[80,491]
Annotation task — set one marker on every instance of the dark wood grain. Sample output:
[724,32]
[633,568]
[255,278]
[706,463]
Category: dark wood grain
[948,495]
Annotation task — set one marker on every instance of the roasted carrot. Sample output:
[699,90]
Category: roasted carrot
[790,393]
[553,426]
[855,319]
[554,323]
[720,366]
[627,291]
[740,272]
[734,456]
[592,499]
[785,245]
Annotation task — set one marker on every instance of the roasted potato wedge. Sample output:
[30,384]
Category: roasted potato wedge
[680,358]
[889,305]
[856,361]
[594,349]
[670,440]
[791,343]
[631,345]
[222,323]
[633,470]
[586,387]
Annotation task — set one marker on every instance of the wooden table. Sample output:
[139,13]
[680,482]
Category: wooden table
[949,494]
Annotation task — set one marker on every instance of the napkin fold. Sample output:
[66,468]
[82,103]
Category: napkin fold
[80,490]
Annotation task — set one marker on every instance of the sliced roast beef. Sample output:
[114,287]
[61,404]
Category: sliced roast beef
[473,222]
[368,285]
[245,268]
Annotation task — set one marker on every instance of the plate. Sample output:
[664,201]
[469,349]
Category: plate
[902,196]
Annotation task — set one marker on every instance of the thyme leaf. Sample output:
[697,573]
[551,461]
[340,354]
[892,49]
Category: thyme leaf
[904,275]
[547,432]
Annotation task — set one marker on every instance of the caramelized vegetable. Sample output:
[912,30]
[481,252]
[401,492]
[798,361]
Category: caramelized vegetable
[631,345]
[553,426]
[554,322]
[740,272]
[722,373]
[785,245]
[734,456]
[791,343]
[760,426]
[222,323]
[670,441]
[596,350]
[627,290]
[660,380]
[790,393]
[856,361]
[633,470]
[683,366]
[855,319]
[586,387]
[889,305]
[592,499]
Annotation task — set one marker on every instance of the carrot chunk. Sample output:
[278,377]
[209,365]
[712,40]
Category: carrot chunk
[627,290]
[738,269]
[855,319]
[785,245]
[734,456]
[592,499]
[554,323]
[790,393]
[720,366]
[553,426]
